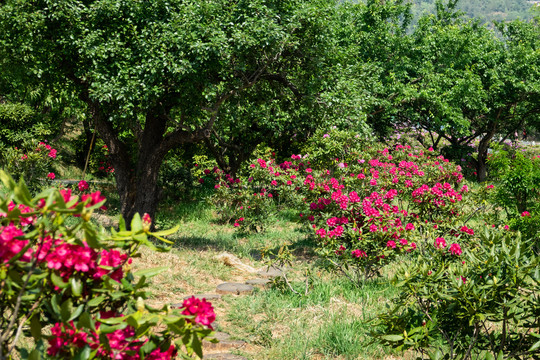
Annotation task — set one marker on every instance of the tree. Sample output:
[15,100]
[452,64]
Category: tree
[459,81]
[156,75]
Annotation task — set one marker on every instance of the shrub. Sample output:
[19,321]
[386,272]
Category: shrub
[59,271]
[481,304]
[365,211]
[33,161]
[517,177]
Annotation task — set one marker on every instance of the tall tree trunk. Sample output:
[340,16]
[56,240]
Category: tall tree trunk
[483,146]
[144,192]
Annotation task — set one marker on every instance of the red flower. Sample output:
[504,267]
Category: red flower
[455,249]
[83,185]
[201,309]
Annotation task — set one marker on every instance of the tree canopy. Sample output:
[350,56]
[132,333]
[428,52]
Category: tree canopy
[156,75]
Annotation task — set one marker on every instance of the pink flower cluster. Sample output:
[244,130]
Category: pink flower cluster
[454,249]
[56,253]
[202,311]
[66,340]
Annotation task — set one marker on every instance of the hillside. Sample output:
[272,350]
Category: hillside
[486,10]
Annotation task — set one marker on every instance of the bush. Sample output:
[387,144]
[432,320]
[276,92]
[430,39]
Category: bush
[364,211]
[481,304]
[517,177]
[31,160]
[76,281]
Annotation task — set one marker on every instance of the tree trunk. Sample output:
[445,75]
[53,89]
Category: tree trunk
[481,164]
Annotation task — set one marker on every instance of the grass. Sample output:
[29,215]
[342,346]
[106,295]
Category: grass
[331,322]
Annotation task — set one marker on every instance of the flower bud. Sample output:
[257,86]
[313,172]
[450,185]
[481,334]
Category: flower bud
[146,222]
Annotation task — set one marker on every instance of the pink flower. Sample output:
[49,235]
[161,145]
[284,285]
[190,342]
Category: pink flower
[273,182]
[308,170]
[440,243]
[358,253]
[52,153]
[24,157]
[413,245]
[83,185]
[391,244]
[506,227]
[455,249]
[95,198]
[201,309]
[51,176]
[403,242]
[409,226]
[236,224]
[325,136]
[9,246]
[525,213]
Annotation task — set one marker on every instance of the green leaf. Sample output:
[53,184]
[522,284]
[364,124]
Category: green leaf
[535,347]
[76,286]
[85,321]
[151,272]
[66,310]
[166,232]
[122,224]
[96,301]
[75,314]
[196,345]
[34,355]
[91,238]
[22,195]
[136,223]
[35,327]
[392,337]
[107,329]
[84,354]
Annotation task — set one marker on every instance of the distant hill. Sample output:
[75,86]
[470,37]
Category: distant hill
[485,10]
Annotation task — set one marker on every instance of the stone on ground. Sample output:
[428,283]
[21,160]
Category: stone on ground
[224,356]
[225,343]
[234,288]
[258,282]
[270,272]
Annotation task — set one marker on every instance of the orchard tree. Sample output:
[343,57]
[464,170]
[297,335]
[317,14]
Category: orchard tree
[156,75]
[460,81]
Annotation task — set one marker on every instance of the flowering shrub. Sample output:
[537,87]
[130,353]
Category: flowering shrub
[32,161]
[79,280]
[479,303]
[364,211]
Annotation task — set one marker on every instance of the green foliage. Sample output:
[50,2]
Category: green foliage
[19,124]
[517,177]
[32,161]
[481,305]
[325,146]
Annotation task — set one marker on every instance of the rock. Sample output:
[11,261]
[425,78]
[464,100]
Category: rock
[224,344]
[205,296]
[224,356]
[258,282]
[209,297]
[270,272]
[231,260]
[234,288]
